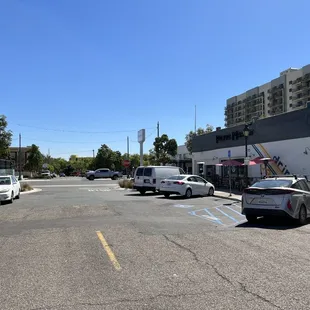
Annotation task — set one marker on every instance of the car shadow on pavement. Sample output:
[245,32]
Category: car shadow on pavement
[276,223]
[145,195]
[179,197]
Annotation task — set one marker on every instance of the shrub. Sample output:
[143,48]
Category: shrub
[26,187]
[124,183]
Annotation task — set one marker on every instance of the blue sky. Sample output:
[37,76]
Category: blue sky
[77,74]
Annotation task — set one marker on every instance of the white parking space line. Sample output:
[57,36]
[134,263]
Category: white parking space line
[224,215]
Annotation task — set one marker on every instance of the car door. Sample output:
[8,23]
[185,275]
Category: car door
[203,187]
[14,185]
[193,183]
[99,173]
[105,173]
[306,195]
[139,179]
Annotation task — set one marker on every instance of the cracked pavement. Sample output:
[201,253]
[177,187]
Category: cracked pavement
[51,257]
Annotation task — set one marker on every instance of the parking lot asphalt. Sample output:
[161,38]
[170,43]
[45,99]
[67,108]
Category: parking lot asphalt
[91,245]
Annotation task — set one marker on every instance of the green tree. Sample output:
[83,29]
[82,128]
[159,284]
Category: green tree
[200,131]
[105,158]
[5,138]
[164,148]
[35,159]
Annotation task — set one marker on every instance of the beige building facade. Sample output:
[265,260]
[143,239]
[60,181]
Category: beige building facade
[289,92]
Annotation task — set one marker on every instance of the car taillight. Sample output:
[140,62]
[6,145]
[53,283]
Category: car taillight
[289,205]
[178,182]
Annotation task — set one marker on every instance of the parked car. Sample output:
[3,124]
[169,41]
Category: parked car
[10,188]
[46,175]
[103,173]
[149,178]
[62,175]
[187,186]
[277,196]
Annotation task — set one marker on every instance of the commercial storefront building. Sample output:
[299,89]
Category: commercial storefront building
[284,138]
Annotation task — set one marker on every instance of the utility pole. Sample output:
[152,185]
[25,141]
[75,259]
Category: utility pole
[20,158]
[127,156]
[157,129]
[128,148]
[195,120]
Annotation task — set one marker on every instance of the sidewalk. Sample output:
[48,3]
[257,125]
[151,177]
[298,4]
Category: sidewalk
[225,194]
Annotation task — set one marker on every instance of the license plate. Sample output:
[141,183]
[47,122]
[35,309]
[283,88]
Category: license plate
[262,201]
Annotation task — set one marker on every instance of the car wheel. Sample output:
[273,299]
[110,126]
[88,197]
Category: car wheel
[142,191]
[167,195]
[12,197]
[302,219]
[18,196]
[251,218]
[188,193]
[211,191]
[91,178]
[114,177]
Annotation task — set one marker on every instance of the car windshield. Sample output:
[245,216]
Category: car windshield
[5,180]
[272,183]
[176,177]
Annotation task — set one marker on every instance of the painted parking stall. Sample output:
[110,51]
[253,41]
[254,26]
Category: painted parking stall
[225,214]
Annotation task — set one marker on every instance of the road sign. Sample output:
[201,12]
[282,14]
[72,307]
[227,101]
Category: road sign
[126,163]
[229,153]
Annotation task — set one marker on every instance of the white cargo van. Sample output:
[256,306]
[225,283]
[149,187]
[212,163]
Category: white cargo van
[149,178]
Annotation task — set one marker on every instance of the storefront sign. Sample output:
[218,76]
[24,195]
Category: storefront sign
[235,135]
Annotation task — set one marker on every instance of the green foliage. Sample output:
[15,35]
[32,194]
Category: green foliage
[200,131]
[106,158]
[163,149]
[35,159]
[5,138]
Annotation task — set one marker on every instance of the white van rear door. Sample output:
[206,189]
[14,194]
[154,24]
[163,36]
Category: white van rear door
[148,176]
[139,179]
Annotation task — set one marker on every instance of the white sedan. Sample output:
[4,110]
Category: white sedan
[9,188]
[186,185]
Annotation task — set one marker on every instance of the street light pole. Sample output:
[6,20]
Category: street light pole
[246,132]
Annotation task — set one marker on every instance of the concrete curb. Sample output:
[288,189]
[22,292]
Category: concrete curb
[229,198]
[35,190]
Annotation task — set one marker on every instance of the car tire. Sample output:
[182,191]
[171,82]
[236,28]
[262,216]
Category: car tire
[167,195]
[91,178]
[302,217]
[12,197]
[251,218]
[142,191]
[114,177]
[211,191]
[188,193]
[18,196]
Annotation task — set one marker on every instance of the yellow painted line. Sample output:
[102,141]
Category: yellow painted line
[110,253]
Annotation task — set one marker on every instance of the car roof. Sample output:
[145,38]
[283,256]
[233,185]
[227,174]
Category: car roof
[284,178]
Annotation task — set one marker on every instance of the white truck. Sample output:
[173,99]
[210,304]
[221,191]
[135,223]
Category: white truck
[103,173]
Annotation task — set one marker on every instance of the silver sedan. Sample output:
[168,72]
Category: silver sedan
[277,196]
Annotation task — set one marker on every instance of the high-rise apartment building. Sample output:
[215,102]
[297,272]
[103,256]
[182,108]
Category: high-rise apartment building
[288,92]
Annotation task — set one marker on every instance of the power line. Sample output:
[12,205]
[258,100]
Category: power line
[73,152]
[87,132]
[74,142]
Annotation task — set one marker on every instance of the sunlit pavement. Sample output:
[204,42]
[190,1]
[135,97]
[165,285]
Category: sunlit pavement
[90,245]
